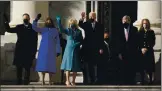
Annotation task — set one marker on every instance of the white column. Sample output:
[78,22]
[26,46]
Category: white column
[91,6]
[150,10]
[96,9]
[18,8]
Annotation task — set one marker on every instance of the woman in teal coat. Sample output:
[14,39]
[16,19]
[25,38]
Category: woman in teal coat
[71,59]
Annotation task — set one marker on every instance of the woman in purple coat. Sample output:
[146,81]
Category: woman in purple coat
[49,48]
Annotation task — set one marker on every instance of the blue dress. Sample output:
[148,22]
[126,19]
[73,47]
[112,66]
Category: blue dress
[49,47]
[71,58]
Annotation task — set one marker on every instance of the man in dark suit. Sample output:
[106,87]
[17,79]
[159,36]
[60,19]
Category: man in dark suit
[106,66]
[91,46]
[26,47]
[127,51]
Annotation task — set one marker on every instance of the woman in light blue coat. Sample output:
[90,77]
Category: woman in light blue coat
[49,48]
[71,59]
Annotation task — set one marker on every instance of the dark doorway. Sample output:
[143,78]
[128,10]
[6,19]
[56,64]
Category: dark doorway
[4,8]
[110,13]
[121,8]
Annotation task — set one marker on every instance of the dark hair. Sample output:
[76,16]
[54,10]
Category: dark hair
[52,24]
[148,24]
[26,14]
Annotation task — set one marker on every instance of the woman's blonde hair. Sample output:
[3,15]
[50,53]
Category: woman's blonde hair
[73,21]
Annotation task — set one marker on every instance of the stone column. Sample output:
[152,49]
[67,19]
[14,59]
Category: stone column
[151,11]
[18,8]
[96,9]
[92,6]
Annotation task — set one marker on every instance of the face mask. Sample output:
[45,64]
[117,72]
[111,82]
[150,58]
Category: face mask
[48,25]
[73,26]
[126,25]
[91,20]
[106,39]
[26,21]
[144,26]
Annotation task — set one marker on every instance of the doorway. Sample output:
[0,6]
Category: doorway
[110,13]
[121,8]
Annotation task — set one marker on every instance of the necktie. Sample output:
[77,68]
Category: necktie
[93,25]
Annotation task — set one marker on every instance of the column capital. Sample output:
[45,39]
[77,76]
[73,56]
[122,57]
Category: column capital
[149,10]
[156,25]
[18,8]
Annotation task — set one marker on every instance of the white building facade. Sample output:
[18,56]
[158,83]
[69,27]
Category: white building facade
[67,9]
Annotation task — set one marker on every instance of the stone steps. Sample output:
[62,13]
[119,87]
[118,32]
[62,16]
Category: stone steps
[78,88]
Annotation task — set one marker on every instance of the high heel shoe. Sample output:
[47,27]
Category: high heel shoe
[73,84]
[67,84]
[43,83]
[50,83]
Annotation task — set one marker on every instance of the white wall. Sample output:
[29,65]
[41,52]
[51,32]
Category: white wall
[67,10]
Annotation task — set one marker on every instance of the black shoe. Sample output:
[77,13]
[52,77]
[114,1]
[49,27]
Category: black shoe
[150,83]
[26,82]
[19,82]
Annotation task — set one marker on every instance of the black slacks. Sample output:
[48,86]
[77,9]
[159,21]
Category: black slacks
[106,74]
[23,80]
[89,73]
[127,74]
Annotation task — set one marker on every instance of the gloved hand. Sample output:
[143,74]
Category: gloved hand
[58,18]
[38,17]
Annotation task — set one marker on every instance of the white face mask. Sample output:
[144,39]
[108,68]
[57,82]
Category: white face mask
[144,25]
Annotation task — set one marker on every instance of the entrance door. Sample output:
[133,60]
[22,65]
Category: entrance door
[119,9]
[110,13]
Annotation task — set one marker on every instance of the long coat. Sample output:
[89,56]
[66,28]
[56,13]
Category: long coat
[71,58]
[26,45]
[106,65]
[93,41]
[147,40]
[128,49]
[106,56]
[49,47]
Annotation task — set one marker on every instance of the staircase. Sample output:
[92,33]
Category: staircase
[78,88]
